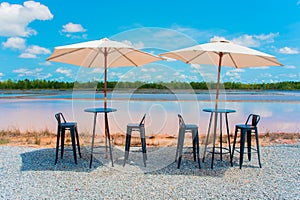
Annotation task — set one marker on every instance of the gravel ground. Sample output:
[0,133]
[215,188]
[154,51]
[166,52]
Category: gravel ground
[30,173]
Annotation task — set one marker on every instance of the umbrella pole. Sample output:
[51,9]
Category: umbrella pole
[105,103]
[216,108]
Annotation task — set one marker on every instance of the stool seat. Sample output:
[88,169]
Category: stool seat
[62,126]
[183,128]
[132,125]
[245,126]
[68,124]
[189,127]
[246,131]
[140,127]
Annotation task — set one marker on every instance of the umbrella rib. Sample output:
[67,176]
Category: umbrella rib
[126,57]
[189,61]
[277,63]
[98,52]
[236,66]
[64,54]
[180,57]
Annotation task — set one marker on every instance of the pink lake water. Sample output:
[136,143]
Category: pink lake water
[279,110]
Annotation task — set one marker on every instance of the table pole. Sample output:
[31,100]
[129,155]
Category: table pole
[93,139]
[207,137]
[214,140]
[108,136]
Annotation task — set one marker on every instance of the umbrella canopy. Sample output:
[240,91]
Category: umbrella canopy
[232,55]
[102,53]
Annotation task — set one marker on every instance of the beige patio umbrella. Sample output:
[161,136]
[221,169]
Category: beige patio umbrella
[102,53]
[222,53]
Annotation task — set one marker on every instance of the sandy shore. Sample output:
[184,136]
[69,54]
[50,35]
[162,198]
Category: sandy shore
[30,173]
[46,139]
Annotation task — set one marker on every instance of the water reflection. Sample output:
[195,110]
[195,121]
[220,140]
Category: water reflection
[38,113]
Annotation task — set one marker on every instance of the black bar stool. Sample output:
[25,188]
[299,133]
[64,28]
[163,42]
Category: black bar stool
[183,128]
[63,125]
[136,127]
[246,130]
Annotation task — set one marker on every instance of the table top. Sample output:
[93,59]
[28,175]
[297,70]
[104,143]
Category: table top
[100,110]
[219,110]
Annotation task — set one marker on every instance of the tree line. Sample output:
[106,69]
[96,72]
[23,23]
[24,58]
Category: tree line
[27,84]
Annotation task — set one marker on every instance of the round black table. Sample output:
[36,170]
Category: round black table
[107,134]
[215,113]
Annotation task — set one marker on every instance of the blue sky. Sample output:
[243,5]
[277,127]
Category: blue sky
[29,31]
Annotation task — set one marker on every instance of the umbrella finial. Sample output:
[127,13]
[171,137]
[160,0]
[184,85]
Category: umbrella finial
[222,41]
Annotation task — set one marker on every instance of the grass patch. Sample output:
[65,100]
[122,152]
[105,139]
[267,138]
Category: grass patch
[4,141]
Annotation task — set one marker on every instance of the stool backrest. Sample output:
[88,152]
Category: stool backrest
[254,119]
[59,117]
[142,123]
[181,121]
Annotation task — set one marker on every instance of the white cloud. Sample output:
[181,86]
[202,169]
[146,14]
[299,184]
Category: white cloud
[34,73]
[289,67]
[217,38]
[234,74]
[249,40]
[138,45]
[145,69]
[67,72]
[246,40]
[98,70]
[260,67]
[191,32]
[14,18]
[73,28]
[33,51]
[1,74]
[159,77]
[46,63]
[27,55]
[14,43]
[288,50]
[268,38]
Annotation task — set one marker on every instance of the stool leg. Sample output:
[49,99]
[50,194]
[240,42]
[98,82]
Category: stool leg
[57,144]
[198,149]
[233,148]
[182,133]
[178,142]
[127,144]
[72,133]
[207,136]
[194,143]
[257,146]
[63,131]
[249,144]
[228,137]
[143,142]
[242,145]
[78,145]
[221,139]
